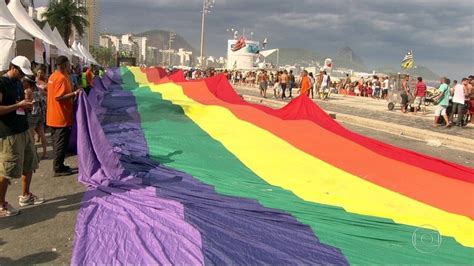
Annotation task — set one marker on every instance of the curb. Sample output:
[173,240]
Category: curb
[432,138]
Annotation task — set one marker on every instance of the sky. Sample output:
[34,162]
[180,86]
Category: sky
[440,33]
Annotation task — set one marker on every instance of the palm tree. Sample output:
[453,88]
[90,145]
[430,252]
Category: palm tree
[67,15]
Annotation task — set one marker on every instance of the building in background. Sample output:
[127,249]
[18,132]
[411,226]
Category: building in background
[141,42]
[129,45]
[116,42]
[92,31]
[153,56]
[93,16]
[185,57]
[105,41]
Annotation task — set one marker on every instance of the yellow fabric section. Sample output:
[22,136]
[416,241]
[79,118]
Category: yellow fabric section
[281,164]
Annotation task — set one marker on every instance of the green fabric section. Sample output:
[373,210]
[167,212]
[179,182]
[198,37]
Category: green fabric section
[177,142]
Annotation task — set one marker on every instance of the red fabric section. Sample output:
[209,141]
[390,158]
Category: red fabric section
[302,108]
[448,194]
[177,76]
[154,74]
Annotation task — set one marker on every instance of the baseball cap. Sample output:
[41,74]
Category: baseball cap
[24,64]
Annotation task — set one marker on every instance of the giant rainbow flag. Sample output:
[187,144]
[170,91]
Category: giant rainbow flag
[186,172]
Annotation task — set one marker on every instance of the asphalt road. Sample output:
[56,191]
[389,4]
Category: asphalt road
[44,234]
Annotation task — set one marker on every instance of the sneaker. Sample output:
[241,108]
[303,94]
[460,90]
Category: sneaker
[68,168]
[62,173]
[7,210]
[29,199]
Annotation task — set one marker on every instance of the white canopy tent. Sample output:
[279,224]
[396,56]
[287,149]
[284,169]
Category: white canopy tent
[20,32]
[88,55]
[7,43]
[267,53]
[10,33]
[62,48]
[61,42]
[19,13]
[76,50]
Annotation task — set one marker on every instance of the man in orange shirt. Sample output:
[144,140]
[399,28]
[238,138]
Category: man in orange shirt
[89,79]
[305,83]
[59,113]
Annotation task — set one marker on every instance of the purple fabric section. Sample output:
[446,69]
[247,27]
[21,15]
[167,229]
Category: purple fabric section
[233,230]
[122,221]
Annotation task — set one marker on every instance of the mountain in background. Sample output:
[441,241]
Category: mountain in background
[347,57]
[344,58]
[292,56]
[304,57]
[160,39]
[419,71]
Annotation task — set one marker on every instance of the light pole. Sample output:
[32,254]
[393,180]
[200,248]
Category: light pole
[206,7]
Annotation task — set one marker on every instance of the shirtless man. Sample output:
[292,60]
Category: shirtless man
[263,83]
[283,83]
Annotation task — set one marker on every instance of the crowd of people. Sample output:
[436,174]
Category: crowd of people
[453,104]
[30,104]
[459,97]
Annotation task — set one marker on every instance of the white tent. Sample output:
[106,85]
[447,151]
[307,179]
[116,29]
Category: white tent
[266,53]
[88,55]
[75,49]
[62,48]
[19,13]
[10,33]
[84,52]
[61,42]
[7,42]
[20,32]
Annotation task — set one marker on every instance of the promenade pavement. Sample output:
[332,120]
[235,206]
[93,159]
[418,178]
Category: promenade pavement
[374,113]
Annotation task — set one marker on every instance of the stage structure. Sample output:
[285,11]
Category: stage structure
[241,53]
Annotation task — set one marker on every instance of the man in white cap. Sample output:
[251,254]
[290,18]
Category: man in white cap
[17,152]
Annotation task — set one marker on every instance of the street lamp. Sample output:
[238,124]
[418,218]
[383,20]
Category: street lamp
[206,8]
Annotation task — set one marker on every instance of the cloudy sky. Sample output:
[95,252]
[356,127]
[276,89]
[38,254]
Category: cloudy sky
[440,32]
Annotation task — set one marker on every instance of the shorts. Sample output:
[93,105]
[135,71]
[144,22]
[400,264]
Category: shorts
[35,120]
[17,155]
[440,110]
[263,86]
[404,99]
[471,109]
[419,101]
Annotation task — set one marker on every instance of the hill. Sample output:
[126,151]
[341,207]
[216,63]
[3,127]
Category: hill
[348,56]
[304,57]
[419,71]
